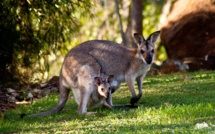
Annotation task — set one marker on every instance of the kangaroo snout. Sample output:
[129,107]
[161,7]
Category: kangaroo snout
[105,91]
[148,59]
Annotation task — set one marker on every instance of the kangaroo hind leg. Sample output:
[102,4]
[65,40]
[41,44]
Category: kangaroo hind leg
[84,99]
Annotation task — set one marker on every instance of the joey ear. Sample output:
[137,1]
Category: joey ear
[154,36]
[138,38]
[110,78]
[97,81]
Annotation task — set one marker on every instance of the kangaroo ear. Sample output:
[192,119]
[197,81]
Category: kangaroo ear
[138,38]
[97,81]
[110,78]
[154,36]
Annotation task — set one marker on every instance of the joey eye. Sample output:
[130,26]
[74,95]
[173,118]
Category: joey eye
[153,51]
[142,52]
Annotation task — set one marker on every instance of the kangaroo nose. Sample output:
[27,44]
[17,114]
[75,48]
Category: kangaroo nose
[148,59]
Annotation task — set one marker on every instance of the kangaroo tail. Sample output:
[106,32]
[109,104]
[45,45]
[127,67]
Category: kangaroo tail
[64,93]
[55,110]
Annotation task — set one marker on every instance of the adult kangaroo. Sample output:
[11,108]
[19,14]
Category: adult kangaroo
[126,64]
[84,61]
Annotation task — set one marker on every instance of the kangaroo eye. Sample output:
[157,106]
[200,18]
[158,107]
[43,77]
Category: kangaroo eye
[153,51]
[142,52]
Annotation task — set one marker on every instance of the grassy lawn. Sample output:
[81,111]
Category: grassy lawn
[177,103]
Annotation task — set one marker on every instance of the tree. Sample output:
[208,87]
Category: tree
[30,30]
[135,22]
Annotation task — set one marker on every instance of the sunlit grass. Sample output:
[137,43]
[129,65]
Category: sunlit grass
[170,104]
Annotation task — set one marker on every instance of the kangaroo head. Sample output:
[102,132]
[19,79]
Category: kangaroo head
[145,47]
[103,84]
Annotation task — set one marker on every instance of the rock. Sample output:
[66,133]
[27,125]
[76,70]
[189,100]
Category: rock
[172,66]
[4,106]
[190,31]
[201,125]
[196,64]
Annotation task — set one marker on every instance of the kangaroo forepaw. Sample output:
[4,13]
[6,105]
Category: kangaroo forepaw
[134,100]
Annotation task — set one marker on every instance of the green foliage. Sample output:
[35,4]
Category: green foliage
[170,104]
[152,11]
[30,30]
[36,35]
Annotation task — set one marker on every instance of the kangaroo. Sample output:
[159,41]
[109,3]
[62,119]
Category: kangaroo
[82,63]
[103,91]
[128,65]
[77,75]
[97,97]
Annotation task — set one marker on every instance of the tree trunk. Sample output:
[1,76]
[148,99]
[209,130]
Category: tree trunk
[135,24]
[120,23]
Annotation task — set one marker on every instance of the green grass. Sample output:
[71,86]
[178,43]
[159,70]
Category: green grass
[170,104]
